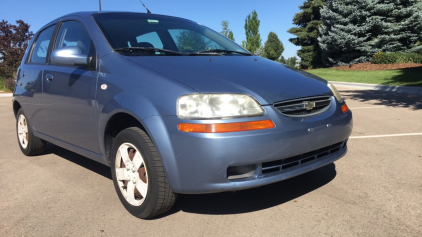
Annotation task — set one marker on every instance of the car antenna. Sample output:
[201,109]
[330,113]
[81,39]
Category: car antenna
[145,7]
[99,1]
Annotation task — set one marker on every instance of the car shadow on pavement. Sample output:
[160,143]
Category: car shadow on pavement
[255,199]
[243,201]
[385,98]
[83,161]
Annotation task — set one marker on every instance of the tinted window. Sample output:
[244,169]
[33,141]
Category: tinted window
[39,53]
[176,34]
[150,38]
[190,41]
[73,33]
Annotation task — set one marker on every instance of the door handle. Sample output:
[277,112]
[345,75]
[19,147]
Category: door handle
[49,77]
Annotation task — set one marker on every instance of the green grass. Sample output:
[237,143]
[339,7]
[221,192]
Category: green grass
[2,87]
[403,77]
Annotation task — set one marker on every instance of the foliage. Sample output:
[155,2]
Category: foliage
[253,38]
[10,84]
[308,22]
[403,77]
[226,31]
[190,41]
[273,47]
[230,36]
[354,30]
[386,58]
[14,40]
[291,61]
[282,60]
[260,51]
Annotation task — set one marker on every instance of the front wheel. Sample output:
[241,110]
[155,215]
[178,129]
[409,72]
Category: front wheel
[138,175]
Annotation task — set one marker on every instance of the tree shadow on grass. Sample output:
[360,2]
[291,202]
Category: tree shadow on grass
[407,77]
[385,98]
[255,199]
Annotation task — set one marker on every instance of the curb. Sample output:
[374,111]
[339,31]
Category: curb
[397,89]
[6,94]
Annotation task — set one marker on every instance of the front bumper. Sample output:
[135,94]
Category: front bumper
[198,162]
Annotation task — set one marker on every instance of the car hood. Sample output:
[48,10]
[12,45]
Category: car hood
[263,79]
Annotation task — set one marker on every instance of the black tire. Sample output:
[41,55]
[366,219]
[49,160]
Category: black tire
[159,197]
[34,145]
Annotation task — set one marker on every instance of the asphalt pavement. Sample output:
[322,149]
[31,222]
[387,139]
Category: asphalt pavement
[375,190]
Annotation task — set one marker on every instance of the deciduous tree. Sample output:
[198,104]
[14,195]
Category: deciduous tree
[226,31]
[253,38]
[273,47]
[14,40]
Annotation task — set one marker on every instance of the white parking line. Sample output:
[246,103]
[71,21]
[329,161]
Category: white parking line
[389,135]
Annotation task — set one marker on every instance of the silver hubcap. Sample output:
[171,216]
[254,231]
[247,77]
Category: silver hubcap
[23,131]
[131,174]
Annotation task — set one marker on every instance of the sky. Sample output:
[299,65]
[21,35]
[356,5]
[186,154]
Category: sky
[275,15]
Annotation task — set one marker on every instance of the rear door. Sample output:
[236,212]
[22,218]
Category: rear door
[29,78]
[69,92]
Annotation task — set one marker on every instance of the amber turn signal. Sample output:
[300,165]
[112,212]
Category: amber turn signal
[344,108]
[225,127]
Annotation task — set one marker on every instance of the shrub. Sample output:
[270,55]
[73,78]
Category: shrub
[387,58]
[10,83]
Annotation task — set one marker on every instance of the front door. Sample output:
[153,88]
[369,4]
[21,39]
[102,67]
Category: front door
[69,93]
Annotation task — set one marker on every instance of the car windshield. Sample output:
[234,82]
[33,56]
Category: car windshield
[145,34]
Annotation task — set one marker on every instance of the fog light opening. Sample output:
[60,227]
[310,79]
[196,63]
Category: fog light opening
[240,172]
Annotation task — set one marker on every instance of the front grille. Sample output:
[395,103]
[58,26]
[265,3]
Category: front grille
[284,164]
[304,107]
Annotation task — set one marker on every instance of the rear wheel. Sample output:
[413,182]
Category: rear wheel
[30,145]
[138,175]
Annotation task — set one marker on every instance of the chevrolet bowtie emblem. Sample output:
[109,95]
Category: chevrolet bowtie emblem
[308,105]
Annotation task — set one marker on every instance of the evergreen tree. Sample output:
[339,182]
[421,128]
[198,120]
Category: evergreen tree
[308,21]
[253,38]
[273,47]
[354,30]
[396,25]
[344,36]
[226,31]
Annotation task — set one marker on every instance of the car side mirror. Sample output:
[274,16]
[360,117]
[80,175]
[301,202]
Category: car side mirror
[70,56]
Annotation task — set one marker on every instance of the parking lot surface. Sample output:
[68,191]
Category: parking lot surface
[375,190]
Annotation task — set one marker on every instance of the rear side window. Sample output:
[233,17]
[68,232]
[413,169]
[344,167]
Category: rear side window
[39,52]
[73,33]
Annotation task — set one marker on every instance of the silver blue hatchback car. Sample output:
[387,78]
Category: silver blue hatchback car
[172,107]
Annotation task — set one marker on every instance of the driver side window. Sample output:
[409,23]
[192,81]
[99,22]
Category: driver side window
[73,33]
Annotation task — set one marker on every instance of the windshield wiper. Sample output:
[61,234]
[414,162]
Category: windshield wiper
[146,49]
[223,51]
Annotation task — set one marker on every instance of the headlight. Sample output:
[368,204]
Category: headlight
[335,92]
[209,106]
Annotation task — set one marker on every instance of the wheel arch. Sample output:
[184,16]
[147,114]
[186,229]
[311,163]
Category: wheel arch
[16,107]
[116,123]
